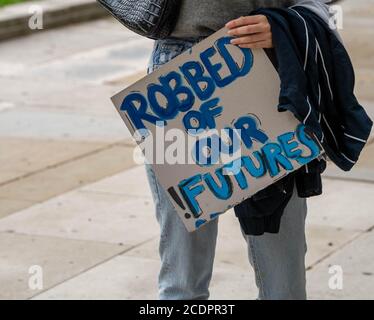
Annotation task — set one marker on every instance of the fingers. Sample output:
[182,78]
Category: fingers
[249,29]
[258,45]
[252,38]
[251,32]
[243,21]
[248,25]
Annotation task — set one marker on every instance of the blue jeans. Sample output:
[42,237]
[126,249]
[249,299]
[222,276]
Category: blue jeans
[187,258]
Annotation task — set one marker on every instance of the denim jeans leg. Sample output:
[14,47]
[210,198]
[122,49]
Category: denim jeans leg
[186,258]
[279,259]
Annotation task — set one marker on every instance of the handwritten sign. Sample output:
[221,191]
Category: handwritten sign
[208,123]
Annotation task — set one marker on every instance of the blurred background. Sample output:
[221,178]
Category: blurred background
[76,215]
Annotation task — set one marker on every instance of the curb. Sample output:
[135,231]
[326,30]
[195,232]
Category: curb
[14,19]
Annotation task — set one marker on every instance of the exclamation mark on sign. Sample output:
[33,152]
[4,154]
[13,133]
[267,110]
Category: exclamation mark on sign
[178,201]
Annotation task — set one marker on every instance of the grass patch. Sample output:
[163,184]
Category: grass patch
[6,2]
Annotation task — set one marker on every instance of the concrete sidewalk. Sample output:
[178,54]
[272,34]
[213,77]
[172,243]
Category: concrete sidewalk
[14,19]
[100,242]
[73,202]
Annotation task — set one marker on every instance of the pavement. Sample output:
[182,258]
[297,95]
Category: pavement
[15,20]
[73,202]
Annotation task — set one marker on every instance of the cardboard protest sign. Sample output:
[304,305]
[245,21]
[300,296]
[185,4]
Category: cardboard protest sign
[208,124]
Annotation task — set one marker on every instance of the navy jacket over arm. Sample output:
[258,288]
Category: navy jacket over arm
[317,82]
[317,86]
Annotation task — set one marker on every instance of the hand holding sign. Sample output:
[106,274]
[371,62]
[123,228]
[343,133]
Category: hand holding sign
[251,32]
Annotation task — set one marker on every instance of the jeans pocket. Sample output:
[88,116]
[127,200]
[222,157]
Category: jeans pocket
[166,50]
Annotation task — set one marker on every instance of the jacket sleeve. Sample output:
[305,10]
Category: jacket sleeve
[319,7]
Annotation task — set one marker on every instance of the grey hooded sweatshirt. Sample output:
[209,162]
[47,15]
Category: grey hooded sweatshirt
[203,17]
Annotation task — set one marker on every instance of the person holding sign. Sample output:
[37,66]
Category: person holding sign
[187,258]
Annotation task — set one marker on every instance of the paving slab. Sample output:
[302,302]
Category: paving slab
[60,259]
[8,206]
[20,122]
[96,66]
[356,260]
[131,182]
[232,283]
[72,43]
[364,88]
[343,204]
[5,105]
[366,158]
[88,216]
[369,108]
[70,175]
[69,97]
[21,156]
[358,8]
[323,240]
[9,175]
[63,42]
[125,81]
[121,278]
[362,171]
[356,34]
[136,278]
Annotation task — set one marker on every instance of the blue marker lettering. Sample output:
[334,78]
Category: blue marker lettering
[197,78]
[190,189]
[172,95]
[248,129]
[253,170]
[222,191]
[274,158]
[137,115]
[308,142]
